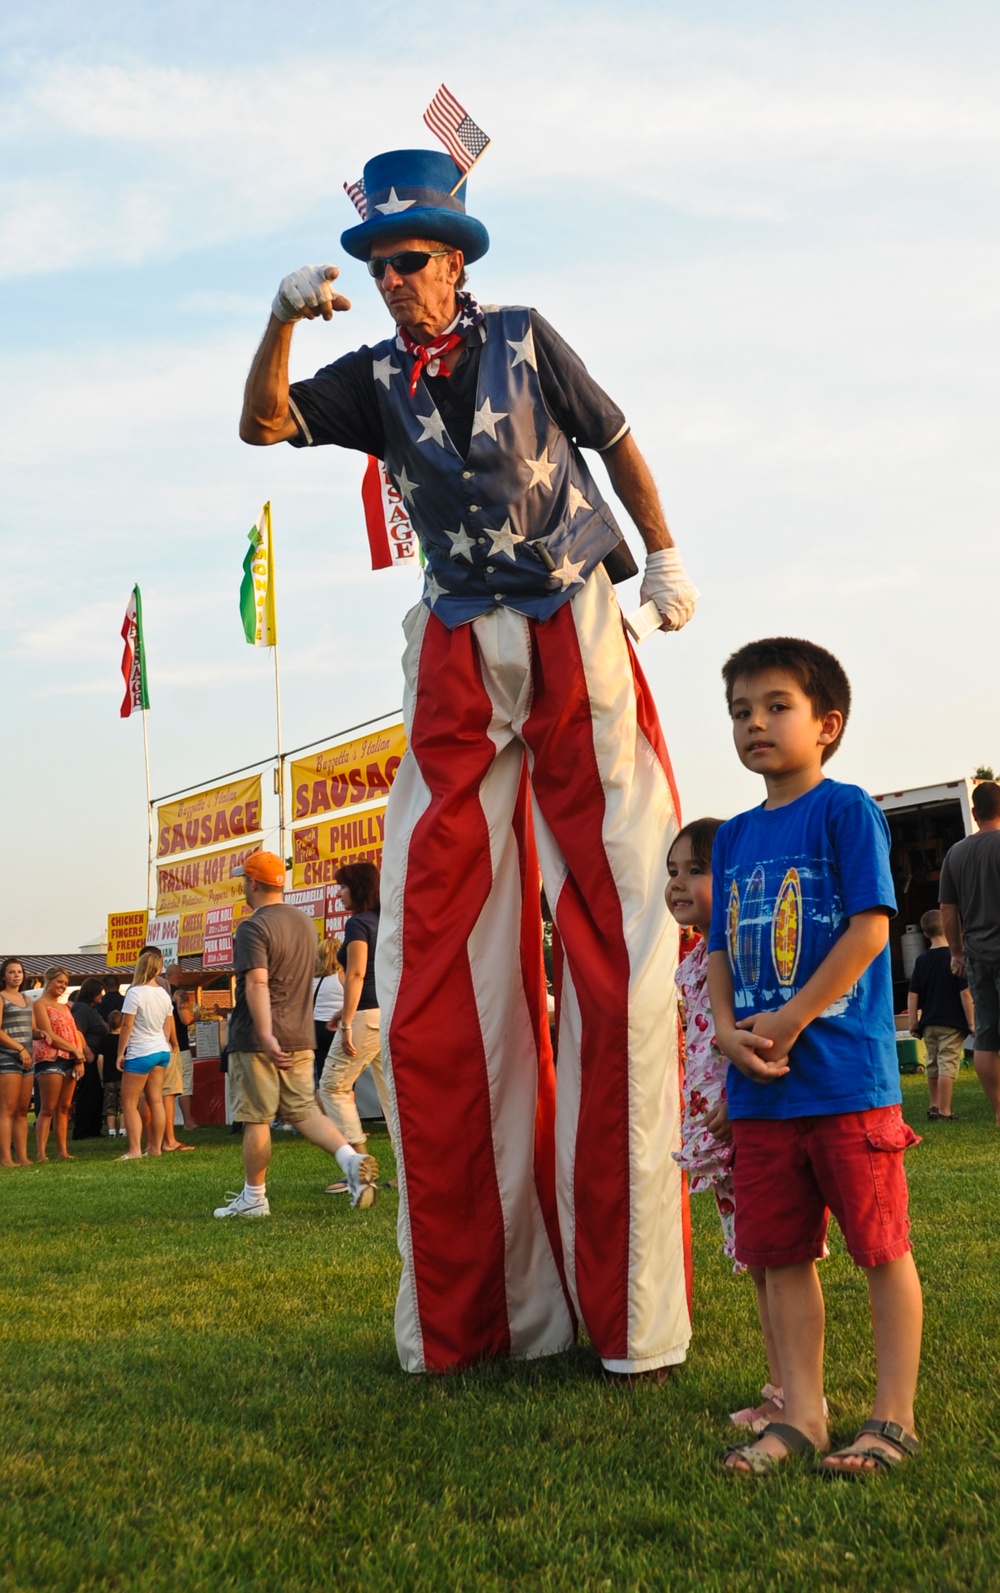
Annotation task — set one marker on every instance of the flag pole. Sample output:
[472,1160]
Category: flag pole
[272,599]
[279,775]
[465,174]
[150,822]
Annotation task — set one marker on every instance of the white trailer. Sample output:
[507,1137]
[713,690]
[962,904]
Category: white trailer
[924,822]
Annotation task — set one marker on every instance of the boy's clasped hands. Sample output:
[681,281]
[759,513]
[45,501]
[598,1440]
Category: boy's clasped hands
[759,1046]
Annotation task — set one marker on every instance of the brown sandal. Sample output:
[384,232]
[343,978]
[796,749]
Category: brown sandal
[890,1433]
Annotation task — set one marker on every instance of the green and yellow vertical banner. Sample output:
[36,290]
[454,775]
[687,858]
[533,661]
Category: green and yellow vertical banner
[257,606]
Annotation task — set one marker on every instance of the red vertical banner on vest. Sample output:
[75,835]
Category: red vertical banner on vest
[391,537]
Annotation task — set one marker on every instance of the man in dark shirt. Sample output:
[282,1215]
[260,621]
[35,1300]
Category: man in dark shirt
[528,721]
[271,1040]
[112,999]
[940,1012]
[183,1017]
[969,893]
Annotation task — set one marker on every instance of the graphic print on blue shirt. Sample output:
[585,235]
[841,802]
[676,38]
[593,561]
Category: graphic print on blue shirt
[785,883]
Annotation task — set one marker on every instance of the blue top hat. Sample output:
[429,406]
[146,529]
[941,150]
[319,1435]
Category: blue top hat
[408,194]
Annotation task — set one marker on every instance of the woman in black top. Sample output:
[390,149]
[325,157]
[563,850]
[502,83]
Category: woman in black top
[89,1103]
[356,1044]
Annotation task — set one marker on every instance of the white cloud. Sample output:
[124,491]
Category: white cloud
[179,159]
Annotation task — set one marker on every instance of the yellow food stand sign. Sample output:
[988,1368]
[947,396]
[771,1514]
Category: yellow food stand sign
[126,938]
[348,774]
[320,849]
[223,813]
[200,882]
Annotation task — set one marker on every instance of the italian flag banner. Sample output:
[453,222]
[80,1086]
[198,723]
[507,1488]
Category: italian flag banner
[134,658]
[257,610]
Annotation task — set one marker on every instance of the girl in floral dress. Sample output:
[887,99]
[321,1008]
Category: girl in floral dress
[706,1151]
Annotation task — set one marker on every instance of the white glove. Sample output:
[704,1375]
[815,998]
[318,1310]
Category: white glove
[306,289]
[666,584]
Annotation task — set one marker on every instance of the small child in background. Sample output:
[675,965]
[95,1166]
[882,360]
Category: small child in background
[941,1014]
[706,1151]
[111,1074]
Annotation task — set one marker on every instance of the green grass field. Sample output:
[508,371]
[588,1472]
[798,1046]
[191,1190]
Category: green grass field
[192,1404]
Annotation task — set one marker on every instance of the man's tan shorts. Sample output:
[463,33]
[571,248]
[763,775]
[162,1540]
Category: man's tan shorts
[259,1092]
[187,1073]
[173,1078]
[944,1051]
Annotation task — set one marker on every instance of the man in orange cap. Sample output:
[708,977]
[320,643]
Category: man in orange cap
[271,1040]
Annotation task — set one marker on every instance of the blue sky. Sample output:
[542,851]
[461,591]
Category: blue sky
[770,230]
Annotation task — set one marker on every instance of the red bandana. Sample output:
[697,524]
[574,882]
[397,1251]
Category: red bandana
[428,354]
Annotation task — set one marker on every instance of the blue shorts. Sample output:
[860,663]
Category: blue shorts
[145,1064]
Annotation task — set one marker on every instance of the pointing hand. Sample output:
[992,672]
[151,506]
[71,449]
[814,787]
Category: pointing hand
[307,293]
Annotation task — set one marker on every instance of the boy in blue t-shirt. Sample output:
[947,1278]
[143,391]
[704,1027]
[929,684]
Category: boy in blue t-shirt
[800,986]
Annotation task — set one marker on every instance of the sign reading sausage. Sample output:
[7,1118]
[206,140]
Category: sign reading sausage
[224,813]
[348,774]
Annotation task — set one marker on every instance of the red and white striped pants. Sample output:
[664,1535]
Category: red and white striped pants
[528,1200]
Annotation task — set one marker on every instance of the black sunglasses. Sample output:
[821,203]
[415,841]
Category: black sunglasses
[404,263]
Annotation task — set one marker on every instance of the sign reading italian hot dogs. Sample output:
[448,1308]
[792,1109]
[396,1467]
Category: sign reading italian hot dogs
[348,774]
[205,881]
[225,813]
[320,849]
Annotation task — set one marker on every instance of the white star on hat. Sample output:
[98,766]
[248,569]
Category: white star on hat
[524,350]
[504,540]
[486,420]
[576,499]
[566,572]
[406,486]
[383,369]
[541,469]
[433,428]
[394,205]
[461,543]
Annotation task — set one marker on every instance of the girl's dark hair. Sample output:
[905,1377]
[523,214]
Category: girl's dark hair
[701,833]
[5,965]
[361,880]
[90,990]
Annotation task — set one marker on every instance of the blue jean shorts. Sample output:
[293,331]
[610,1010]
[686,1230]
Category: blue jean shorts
[54,1065]
[145,1064]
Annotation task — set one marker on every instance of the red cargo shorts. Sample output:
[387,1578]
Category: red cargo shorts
[790,1173]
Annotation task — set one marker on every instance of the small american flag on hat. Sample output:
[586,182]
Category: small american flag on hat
[356,194]
[453,125]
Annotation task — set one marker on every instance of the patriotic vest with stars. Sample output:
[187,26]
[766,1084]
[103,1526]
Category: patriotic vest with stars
[519,522]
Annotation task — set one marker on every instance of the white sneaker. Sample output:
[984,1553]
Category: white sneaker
[240,1206]
[362,1180]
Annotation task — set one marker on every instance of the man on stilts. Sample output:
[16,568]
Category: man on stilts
[526,1203]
